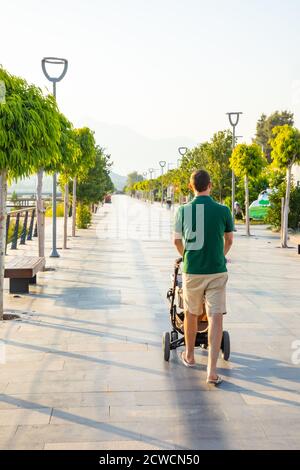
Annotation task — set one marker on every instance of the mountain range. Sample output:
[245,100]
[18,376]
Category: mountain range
[28,185]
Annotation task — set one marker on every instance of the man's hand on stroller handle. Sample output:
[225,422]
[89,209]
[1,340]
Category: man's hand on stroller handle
[178,261]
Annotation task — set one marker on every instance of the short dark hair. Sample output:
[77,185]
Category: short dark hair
[200,180]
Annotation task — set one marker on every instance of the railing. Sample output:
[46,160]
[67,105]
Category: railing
[21,225]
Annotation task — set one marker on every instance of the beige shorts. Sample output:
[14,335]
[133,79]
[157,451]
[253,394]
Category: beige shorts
[208,289]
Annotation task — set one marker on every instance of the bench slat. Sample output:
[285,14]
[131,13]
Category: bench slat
[23,267]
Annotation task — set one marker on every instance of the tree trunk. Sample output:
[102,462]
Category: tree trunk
[247,206]
[3,191]
[66,215]
[74,208]
[40,214]
[287,207]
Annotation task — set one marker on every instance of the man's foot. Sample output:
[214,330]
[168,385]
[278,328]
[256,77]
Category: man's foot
[214,380]
[185,361]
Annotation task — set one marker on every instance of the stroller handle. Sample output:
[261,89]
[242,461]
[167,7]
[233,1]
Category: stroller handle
[178,261]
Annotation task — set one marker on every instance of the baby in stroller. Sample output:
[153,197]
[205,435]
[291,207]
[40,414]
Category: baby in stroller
[174,339]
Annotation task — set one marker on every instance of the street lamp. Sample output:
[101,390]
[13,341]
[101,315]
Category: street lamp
[234,118]
[182,151]
[162,165]
[144,176]
[151,171]
[54,80]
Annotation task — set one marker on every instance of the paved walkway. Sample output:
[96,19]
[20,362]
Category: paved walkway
[84,366]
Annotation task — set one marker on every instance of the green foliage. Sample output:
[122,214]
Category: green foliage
[29,128]
[14,197]
[59,210]
[69,151]
[265,126]
[97,182]
[133,178]
[275,175]
[86,141]
[247,160]
[285,146]
[218,155]
[83,216]
[274,213]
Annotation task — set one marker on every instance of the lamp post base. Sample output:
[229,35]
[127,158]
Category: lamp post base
[55,254]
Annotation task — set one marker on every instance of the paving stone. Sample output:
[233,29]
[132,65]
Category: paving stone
[25,416]
[40,400]
[273,398]
[55,386]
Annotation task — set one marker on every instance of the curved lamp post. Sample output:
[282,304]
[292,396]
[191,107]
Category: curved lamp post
[234,120]
[162,165]
[151,171]
[145,173]
[54,79]
[182,151]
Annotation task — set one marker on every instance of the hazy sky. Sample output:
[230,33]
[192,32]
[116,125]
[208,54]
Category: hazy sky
[164,69]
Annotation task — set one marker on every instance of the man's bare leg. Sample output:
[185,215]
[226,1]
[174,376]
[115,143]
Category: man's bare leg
[190,332]
[215,332]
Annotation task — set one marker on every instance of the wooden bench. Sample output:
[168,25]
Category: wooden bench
[22,271]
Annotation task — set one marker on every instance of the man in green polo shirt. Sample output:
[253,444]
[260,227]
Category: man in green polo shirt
[203,236]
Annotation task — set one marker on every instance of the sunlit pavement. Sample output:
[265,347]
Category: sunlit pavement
[84,369]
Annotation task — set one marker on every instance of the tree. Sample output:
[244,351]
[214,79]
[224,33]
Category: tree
[133,177]
[14,197]
[265,126]
[97,182]
[285,146]
[219,152]
[94,187]
[86,141]
[274,213]
[29,136]
[247,161]
[70,159]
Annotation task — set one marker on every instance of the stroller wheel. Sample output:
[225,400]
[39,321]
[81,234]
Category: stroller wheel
[174,336]
[166,346]
[225,346]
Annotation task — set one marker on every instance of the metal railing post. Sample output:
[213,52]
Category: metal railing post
[7,231]
[24,229]
[30,230]
[16,232]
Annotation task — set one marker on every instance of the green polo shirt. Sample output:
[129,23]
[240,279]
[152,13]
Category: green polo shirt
[202,224]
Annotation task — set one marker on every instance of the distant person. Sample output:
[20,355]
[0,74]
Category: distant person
[169,203]
[238,212]
[204,268]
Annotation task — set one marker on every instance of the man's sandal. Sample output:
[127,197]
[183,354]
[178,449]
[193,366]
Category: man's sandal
[216,381]
[184,361]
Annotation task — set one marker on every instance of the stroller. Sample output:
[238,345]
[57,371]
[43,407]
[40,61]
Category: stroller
[175,338]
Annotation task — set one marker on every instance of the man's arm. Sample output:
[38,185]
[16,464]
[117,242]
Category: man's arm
[228,237]
[178,232]
[179,245]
